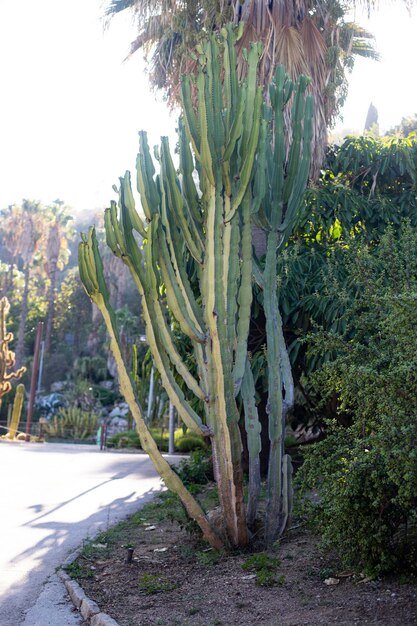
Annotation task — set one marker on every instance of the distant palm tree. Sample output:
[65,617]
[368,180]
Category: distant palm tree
[306,36]
[57,255]
[24,228]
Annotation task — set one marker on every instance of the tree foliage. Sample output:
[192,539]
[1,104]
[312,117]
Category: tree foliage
[311,37]
[366,473]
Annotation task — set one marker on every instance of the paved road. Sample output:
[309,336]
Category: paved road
[52,497]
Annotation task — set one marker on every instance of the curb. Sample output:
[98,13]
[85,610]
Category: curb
[88,609]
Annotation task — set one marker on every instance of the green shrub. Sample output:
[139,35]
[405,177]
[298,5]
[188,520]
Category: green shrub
[197,469]
[366,474]
[183,443]
[127,439]
[367,505]
[190,442]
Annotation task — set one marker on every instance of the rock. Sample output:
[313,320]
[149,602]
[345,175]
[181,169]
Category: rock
[89,608]
[116,425]
[107,384]
[59,385]
[331,581]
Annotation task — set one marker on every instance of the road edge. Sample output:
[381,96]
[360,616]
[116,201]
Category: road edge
[88,609]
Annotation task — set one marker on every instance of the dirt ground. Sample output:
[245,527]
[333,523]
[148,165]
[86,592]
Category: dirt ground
[172,580]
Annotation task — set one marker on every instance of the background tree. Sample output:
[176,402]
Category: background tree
[407,126]
[23,225]
[57,256]
[311,37]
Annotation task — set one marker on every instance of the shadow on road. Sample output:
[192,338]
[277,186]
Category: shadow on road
[128,470]
[62,539]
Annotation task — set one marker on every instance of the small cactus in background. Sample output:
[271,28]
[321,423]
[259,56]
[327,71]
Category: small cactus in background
[17,411]
[72,423]
[7,357]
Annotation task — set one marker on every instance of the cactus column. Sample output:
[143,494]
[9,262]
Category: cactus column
[197,260]
[277,200]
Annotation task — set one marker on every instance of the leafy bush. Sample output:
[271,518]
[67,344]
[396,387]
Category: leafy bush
[197,469]
[183,443]
[190,442]
[126,439]
[367,489]
[366,474]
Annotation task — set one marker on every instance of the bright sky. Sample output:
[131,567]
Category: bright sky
[71,109]
[390,84]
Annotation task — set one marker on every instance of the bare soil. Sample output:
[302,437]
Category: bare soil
[185,584]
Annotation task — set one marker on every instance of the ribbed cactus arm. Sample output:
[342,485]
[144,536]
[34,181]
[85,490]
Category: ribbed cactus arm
[189,189]
[301,177]
[17,410]
[150,313]
[91,274]
[145,172]
[231,239]
[176,294]
[244,295]
[175,201]
[190,118]
[166,341]
[246,171]
[274,406]
[253,432]
[175,247]
[126,199]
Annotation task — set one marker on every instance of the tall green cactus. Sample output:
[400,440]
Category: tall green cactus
[197,259]
[278,191]
[17,410]
[7,357]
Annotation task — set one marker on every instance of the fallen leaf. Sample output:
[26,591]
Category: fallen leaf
[368,579]
[150,528]
[331,581]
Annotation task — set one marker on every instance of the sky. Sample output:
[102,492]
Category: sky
[71,108]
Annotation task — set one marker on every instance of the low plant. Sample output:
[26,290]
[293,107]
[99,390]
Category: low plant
[79,570]
[197,469]
[72,423]
[151,583]
[190,442]
[265,567]
[209,557]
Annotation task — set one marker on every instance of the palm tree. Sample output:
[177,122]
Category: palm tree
[24,228]
[306,36]
[57,255]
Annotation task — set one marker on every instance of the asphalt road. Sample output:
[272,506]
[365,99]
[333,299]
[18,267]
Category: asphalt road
[52,498]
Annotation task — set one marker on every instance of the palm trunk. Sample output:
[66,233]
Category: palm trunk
[20,346]
[51,307]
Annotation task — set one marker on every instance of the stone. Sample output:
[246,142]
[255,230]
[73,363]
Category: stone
[76,594]
[89,608]
[102,619]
